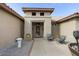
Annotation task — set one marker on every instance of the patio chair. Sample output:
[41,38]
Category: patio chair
[50,37]
[62,39]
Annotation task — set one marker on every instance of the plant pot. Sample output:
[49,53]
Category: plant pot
[73,50]
[76,34]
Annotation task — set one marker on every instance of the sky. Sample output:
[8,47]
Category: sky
[61,9]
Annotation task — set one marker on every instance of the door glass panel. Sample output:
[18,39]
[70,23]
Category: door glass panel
[38,29]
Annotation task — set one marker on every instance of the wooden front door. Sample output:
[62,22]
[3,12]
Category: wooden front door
[37,29]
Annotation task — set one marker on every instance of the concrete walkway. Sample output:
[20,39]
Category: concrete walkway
[42,47]
[14,51]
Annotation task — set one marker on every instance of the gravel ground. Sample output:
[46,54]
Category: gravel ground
[40,47]
[14,51]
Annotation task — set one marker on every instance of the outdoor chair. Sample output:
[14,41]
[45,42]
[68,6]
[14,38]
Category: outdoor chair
[50,37]
[62,39]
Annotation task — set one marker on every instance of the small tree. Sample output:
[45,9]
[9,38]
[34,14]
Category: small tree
[76,35]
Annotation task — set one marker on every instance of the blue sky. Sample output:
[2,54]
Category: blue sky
[61,9]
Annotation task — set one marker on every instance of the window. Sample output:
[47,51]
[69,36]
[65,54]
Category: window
[33,14]
[41,14]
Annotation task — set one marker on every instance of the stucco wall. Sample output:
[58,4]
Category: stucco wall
[29,19]
[55,30]
[10,28]
[29,14]
[28,25]
[67,28]
[77,24]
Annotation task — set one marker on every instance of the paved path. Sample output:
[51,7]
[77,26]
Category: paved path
[14,51]
[42,47]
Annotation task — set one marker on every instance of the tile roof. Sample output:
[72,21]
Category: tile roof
[68,17]
[25,9]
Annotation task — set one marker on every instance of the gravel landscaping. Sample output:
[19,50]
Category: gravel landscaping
[15,51]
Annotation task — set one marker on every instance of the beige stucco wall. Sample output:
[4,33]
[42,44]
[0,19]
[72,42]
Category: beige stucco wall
[55,30]
[29,14]
[10,28]
[29,19]
[67,28]
[77,24]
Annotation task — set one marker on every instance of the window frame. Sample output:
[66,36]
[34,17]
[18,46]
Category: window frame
[41,13]
[33,13]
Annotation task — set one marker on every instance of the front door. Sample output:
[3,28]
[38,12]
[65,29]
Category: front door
[37,29]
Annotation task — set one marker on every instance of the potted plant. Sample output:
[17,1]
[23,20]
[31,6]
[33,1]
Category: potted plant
[50,37]
[74,47]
